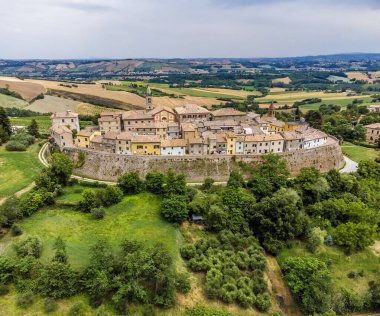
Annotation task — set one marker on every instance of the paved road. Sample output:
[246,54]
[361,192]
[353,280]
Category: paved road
[350,167]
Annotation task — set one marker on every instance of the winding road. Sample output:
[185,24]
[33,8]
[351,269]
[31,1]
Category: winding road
[350,166]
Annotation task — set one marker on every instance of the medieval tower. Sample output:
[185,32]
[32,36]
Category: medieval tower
[271,110]
[149,99]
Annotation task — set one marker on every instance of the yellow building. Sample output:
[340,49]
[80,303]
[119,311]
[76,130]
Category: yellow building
[231,144]
[189,131]
[277,126]
[291,126]
[146,145]
[84,137]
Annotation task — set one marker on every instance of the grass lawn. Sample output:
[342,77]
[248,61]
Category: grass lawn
[44,122]
[7,101]
[340,265]
[18,169]
[359,153]
[136,217]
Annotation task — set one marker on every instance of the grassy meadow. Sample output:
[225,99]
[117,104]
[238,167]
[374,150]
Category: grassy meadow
[44,122]
[136,217]
[340,264]
[18,169]
[359,153]
[7,101]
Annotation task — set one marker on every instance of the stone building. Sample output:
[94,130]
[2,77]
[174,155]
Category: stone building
[192,113]
[373,133]
[62,136]
[68,119]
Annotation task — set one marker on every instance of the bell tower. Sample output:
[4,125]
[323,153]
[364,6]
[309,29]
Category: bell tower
[271,110]
[149,99]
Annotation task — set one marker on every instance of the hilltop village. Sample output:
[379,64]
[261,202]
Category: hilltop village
[187,130]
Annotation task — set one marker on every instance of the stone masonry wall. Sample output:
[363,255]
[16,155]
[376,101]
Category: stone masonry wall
[107,166]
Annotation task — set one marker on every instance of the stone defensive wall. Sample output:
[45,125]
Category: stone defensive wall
[108,166]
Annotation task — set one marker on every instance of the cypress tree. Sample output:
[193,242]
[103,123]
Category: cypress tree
[33,129]
[5,125]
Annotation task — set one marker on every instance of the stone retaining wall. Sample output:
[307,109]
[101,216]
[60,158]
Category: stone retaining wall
[107,166]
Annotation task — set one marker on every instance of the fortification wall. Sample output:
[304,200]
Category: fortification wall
[107,166]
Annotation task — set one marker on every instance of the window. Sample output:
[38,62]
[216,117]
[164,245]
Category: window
[72,121]
[63,121]
[140,147]
[156,147]
[78,140]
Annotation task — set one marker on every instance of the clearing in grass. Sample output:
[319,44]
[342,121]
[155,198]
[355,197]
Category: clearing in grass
[18,169]
[359,153]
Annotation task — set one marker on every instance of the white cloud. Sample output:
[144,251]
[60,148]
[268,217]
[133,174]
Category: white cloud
[182,28]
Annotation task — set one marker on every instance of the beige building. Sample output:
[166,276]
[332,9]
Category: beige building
[373,133]
[162,114]
[84,137]
[146,145]
[68,119]
[189,130]
[62,136]
[196,146]
[110,122]
[226,114]
[263,144]
[192,113]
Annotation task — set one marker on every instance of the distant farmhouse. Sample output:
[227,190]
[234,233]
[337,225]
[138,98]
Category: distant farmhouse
[186,130]
[373,133]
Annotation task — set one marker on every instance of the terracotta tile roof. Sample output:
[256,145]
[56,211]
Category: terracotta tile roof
[146,139]
[188,127]
[97,139]
[191,109]
[125,136]
[161,108]
[228,112]
[64,115]
[109,119]
[111,114]
[263,138]
[373,126]
[173,143]
[197,140]
[84,133]
[61,130]
[137,115]
[111,135]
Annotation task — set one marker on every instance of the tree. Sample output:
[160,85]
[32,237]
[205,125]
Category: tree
[61,168]
[154,182]
[33,128]
[60,251]
[315,119]
[109,196]
[369,169]
[270,176]
[207,184]
[57,280]
[130,183]
[174,209]
[235,180]
[10,212]
[88,202]
[175,184]
[354,236]
[5,126]
[277,218]
[374,295]
[310,281]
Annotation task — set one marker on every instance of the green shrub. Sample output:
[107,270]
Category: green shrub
[188,251]
[245,297]
[76,310]
[262,302]
[50,305]
[30,246]
[15,146]
[97,213]
[4,289]
[16,230]
[182,282]
[228,293]
[24,300]
[174,209]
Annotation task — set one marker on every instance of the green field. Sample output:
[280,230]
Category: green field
[7,101]
[359,153]
[340,265]
[342,103]
[44,122]
[18,169]
[136,217]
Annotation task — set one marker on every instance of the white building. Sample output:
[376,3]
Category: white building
[314,138]
[173,147]
[63,137]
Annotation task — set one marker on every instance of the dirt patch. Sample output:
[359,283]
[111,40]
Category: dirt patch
[375,248]
[279,289]
[285,80]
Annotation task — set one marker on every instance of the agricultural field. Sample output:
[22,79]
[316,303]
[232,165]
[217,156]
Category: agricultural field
[44,122]
[340,264]
[18,169]
[337,79]
[28,91]
[7,101]
[285,80]
[359,153]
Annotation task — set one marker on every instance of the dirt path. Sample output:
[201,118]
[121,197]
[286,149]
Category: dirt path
[21,192]
[280,289]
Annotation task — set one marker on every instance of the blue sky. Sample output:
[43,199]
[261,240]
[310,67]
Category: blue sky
[187,28]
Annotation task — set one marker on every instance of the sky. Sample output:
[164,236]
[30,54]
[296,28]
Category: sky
[62,29]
